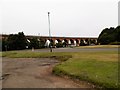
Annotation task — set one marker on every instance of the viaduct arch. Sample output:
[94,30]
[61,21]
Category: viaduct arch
[74,41]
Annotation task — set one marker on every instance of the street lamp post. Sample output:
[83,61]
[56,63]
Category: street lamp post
[49,32]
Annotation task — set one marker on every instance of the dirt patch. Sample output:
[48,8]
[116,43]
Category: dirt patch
[33,73]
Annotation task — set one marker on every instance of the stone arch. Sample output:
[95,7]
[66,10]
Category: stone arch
[82,42]
[47,43]
[63,41]
[56,41]
[45,40]
[66,41]
[59,43]
[59,40]
[86,41]
[77,42]
[93,41]
[51,42]
[72,41]
[69,42]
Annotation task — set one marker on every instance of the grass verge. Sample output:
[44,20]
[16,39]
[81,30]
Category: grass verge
[100,73]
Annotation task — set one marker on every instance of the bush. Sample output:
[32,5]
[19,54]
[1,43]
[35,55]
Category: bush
[34,43]
[16,41]
[59,44]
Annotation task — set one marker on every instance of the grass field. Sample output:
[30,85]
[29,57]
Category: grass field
[98,68]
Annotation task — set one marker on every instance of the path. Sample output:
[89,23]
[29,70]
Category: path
[34,73]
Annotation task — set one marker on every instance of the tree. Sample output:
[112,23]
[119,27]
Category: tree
[59,44]
[42,43]
[22,40]
[16,41]
[109,35]
[4,44]
[34,43]
[117,33]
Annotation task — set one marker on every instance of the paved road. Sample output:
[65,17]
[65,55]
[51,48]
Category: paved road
[34,73]
[75,49]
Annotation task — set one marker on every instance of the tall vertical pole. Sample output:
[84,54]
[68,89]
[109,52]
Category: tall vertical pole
[49,32]
[119,13]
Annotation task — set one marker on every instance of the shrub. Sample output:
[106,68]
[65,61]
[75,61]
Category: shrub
[59,44]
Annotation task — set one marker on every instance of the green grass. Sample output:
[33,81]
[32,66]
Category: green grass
[100,73]
[100,46]
[98,68]
[0,54]
[23,54]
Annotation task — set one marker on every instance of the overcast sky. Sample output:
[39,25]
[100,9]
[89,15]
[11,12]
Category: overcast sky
[78,18]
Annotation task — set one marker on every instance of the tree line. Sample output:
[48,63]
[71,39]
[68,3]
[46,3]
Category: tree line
[109,36]
[20,42]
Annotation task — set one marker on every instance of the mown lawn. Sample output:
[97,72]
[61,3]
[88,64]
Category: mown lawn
[100,73]
[98,68]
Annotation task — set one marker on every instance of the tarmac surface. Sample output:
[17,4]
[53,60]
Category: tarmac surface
[34,73]
[75,49]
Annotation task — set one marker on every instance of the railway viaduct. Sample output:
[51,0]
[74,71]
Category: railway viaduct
[68,40]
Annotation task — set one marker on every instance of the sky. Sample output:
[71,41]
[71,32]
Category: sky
[68,18]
